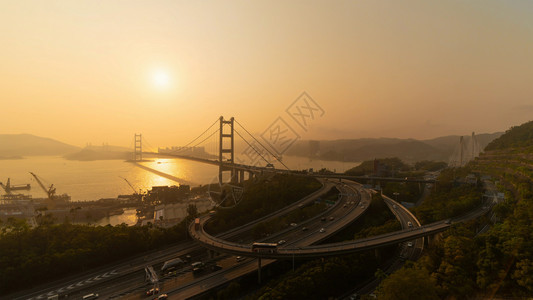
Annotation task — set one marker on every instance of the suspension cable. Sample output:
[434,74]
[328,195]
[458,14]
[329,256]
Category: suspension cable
[175,152]
[251,146]
[201,134]
[275,156]
[183,148]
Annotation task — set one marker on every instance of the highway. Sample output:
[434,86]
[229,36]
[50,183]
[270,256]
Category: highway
[332,249]
[345,211]
[128,276]
[126,279]
[405,252]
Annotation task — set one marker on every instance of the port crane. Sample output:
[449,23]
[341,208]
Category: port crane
[51,191]
[138,195]
[131,186]
[8,187]
[53,199]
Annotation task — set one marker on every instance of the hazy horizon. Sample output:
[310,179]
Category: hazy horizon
[306,139]
[97,72]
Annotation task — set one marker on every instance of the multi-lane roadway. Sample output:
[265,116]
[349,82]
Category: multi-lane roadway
[127,279]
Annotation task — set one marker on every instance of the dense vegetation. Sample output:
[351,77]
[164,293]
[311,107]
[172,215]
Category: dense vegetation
[451,198]
[262,199]
[51,251]
[391,165]
[449,263]
[429,165]
[406,191]
[319,279]
[466,262]
[517,136]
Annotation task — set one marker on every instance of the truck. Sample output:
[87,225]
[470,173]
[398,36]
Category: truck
[172,264]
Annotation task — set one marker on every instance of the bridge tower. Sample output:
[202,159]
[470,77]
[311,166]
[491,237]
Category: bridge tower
[226,146]
[138,148]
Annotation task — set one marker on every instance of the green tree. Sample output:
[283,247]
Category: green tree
[407,284]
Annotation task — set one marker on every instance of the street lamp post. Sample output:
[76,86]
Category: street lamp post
[396,195]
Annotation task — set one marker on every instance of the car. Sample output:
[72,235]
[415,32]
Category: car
[152,291]
[197,267]
[197,264]
[323,219]
[162,296]
[394,206]
[294,224]
[304,228]
[344,206]
[331,218]
[409,244]
[354,297]
[239,258]
[449,221]
[90,296]
[322,230]
[409,224]
[216,268]
[281,242]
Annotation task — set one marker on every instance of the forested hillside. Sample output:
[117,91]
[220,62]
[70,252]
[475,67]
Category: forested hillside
[485,258]
[517,136]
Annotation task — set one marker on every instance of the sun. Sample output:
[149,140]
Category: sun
[161,79]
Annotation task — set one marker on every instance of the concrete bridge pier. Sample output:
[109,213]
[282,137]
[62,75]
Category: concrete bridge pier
[211,254]
[429,239]
[377,254]
[259,270]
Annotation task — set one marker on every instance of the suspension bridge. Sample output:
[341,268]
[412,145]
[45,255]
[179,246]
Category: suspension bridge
[216,146]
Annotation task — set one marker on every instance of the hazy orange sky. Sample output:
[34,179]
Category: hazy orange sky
[99,71]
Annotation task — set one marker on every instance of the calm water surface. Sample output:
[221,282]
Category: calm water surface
[93,180]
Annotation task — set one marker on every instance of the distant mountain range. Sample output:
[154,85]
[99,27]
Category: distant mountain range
[14,146]
[17,145]
[409,150]
[104,152]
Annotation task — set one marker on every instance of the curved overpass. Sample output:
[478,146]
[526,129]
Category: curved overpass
[332,249]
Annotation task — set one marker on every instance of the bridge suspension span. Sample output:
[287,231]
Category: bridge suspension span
[217,145]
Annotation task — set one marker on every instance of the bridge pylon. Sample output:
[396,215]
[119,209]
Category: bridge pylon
[226,146]
[138,148]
